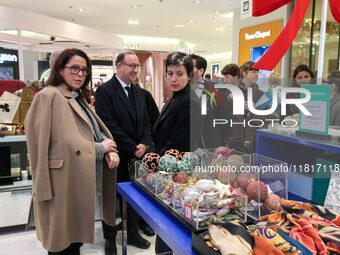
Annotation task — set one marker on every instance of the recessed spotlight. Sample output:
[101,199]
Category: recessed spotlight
[191,21]
[219,28]
[179,26]
[214,45]
[82,10]
[196,1]
[136,6]
[217,12]
[133,22]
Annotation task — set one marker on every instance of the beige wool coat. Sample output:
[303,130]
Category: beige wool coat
[62,156]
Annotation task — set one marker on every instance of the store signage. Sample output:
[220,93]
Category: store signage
[238,100]
[8,58]
[319,105]
[257,35]
[246,8]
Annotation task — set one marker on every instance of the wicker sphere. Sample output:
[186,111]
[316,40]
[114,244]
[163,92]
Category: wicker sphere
[243,179]
[151,161]
[174,153]
[180,178]
[183,167]
[142,171]
[257,191]
[272,203]
[167,163]
[227,177]
[191,158]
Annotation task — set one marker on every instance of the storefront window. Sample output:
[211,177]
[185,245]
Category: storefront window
[304,53]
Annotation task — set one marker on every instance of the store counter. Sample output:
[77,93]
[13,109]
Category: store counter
[175,234]
[301,154]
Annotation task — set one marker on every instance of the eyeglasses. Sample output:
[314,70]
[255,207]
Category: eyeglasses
[75,69]
[133,66]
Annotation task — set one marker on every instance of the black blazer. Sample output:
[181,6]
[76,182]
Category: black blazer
[172,129]
[128,126]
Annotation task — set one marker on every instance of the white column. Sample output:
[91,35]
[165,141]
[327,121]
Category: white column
[322,40]
[21,56]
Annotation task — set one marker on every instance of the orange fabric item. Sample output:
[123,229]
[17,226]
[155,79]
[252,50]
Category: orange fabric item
[263,247]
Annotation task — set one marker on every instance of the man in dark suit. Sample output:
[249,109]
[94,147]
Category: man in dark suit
[121,105]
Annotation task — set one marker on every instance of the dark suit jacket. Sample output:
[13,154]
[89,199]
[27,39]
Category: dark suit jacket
[172,129]
[128,126]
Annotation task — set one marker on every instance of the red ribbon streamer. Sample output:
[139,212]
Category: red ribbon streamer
[275,53]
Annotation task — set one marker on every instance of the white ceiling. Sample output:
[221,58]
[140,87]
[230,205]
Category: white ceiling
[157,18]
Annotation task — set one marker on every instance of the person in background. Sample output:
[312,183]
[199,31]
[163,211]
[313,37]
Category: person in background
[122,107]
[67,143]
[153,112]
[302,75]
[207,77]
[333,79]
[172,129]
[244,136]
[151,106]
[230,74]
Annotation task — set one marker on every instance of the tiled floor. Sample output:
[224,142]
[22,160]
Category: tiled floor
[26,243]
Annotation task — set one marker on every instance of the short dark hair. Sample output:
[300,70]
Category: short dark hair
[231,69]
[301,68]
[55,78]
[207,76]
[177,59]
[247,66]
[121,56]
[334,77]
[200,62]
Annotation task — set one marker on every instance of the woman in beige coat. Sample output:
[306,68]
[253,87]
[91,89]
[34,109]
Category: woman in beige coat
[67,142]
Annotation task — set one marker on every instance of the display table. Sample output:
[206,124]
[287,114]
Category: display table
[298,152]
[176,235]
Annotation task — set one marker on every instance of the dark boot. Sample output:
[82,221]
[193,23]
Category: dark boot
[110,247]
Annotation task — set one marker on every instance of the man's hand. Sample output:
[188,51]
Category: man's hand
[140,150]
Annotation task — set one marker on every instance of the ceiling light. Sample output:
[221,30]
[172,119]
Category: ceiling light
[219,28]
[217,12]
[133,22]
[191,21]
[196,1]
[214,45]
[81,9]
[228,15]
[136,6]
[179,26]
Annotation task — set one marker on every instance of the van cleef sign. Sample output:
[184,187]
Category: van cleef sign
[257,35]
[8,58]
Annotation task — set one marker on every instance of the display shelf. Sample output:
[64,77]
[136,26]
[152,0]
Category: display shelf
[173,233]
[298,152]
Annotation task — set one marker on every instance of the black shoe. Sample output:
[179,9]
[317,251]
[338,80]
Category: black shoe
[138,241]
[110,247]
[147,230]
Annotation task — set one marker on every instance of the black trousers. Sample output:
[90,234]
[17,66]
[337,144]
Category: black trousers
[110,232]
[73,249]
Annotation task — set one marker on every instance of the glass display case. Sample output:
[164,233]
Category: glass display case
[15,186]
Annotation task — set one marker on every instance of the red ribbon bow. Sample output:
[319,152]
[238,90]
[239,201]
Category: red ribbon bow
[275,53]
